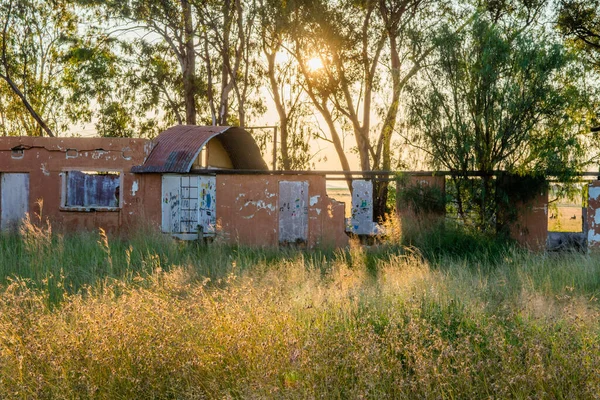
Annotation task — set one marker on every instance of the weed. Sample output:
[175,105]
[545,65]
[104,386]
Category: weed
[104,317]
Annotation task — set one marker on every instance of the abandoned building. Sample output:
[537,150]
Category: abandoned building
[196,181]
[178,181]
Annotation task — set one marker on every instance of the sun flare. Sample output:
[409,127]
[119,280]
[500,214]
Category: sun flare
[314,64]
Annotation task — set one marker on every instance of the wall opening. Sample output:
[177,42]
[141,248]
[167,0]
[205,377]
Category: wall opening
[17,153]
[567,214]
[83,190]
[566,209]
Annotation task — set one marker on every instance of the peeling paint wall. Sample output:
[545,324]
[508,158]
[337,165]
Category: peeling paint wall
[241,209]
[293,212]
[188,204]
[49,160]
[593,217]
[249,207]
[362,207]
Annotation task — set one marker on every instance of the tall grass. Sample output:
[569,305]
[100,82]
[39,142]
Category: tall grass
[148,317]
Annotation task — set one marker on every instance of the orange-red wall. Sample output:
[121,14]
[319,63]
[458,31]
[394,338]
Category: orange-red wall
[247,205]
[248,210]
[46,158]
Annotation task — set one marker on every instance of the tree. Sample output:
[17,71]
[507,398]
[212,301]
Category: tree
[211,42]
[34,47]
[498,99]
[285,84]
[172,21]
[369,50]
[228,54]
[580,21]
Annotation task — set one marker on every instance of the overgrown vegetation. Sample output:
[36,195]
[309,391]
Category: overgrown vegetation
[97,316]
[502,96]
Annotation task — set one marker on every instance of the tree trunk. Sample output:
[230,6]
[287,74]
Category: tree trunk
[210,93]
[280,107]
[384,146]
[488,209]
[226,85]
[380,194]
[28,106]
[189,65]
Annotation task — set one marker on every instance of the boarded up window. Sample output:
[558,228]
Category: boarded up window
[91,189]
[14,199]
[293,212]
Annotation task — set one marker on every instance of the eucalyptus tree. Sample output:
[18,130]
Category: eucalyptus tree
[284,82]
[580,22]
[211,42]
[140,23]
[499,96]
[36,43]
[228,52]
[369,51]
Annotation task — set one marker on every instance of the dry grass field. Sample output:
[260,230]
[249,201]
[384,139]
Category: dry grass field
[93,316]
[566,218]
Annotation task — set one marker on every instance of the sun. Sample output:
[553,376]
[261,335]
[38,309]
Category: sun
[314,64]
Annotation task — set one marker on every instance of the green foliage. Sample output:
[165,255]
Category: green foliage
[35,63]
[499,99]
[580,22]
[421,199]
[292,324]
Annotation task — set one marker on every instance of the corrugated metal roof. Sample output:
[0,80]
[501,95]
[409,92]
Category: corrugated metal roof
[176,148]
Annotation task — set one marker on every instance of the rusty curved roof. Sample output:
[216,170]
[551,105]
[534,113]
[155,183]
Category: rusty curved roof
[176,148]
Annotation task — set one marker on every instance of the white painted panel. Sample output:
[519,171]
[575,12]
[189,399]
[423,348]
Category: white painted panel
[293,212]
[14,190]
[362,207]
[593,235]
[188,201]
[170,203]
[207,203]
[188,209]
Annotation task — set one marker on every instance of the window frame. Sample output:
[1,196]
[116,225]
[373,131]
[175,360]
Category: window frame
[64,178]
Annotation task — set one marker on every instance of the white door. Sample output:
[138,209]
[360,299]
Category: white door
[188,202]
[14,202]
[293,212]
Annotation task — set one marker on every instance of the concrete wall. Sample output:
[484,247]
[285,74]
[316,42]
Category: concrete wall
[531,227]
[248,209]
[48,160]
